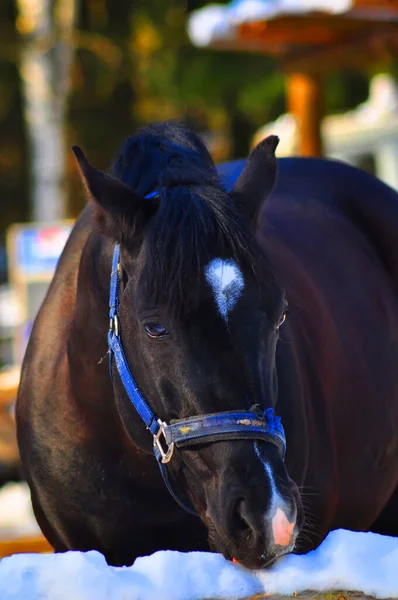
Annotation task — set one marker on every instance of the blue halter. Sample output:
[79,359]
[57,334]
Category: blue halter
[194,430]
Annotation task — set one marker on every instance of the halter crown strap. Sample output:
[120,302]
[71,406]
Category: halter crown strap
[233,425]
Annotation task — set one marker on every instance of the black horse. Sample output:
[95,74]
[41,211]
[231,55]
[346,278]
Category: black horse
[208,264]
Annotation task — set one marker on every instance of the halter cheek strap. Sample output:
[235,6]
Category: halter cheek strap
[183,433]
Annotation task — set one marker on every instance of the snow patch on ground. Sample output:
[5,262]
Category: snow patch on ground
[86,576]
[346,560]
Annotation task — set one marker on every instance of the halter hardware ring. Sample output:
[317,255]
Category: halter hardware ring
[114,325]
[166,456]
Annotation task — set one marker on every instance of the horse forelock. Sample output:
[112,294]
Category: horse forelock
[196,220]
[163,154]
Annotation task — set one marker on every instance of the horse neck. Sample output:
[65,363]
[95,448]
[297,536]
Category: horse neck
[87,342]
[291,403]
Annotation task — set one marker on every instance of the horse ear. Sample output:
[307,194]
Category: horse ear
[257,179]
[117,207]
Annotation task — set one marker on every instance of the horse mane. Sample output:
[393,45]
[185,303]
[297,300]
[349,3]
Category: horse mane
[195,215]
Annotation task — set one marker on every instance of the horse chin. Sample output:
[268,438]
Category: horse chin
[263,561]
[245,559]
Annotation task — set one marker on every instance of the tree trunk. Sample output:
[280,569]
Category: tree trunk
[45,61]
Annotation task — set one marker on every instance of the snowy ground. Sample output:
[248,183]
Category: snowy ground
[345,561]
[363,562]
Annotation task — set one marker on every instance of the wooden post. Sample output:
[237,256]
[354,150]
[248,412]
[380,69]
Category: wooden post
[304,100]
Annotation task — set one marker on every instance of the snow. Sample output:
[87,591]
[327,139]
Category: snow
[346,560]
[165,575]
[217,22]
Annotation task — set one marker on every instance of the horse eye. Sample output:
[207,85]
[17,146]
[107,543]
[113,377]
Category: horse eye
[155,330]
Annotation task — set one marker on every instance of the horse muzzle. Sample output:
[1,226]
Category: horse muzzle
[256,541]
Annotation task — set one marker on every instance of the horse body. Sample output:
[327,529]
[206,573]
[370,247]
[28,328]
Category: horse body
[343,333]
[328,232]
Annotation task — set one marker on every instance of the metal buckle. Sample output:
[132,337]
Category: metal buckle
[114,325]
[166,455]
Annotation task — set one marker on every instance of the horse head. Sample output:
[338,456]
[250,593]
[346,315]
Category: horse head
[199,313]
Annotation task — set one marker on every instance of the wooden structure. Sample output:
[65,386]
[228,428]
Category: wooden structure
[9,381]
[9,457]
[24,545]
[366,137]
[331,595]
[310,44]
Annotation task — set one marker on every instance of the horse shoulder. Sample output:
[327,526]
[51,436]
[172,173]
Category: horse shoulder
[45,355]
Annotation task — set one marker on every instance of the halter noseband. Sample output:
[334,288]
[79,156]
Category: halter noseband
[184,432]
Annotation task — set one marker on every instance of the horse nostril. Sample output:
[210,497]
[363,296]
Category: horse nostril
[241,522]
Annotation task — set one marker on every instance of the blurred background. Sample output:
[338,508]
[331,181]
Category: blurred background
[321,74]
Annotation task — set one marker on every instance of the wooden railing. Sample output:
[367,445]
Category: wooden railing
[9,381]
[24,545]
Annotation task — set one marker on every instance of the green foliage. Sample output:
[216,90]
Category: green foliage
[344,90]
[13,151]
